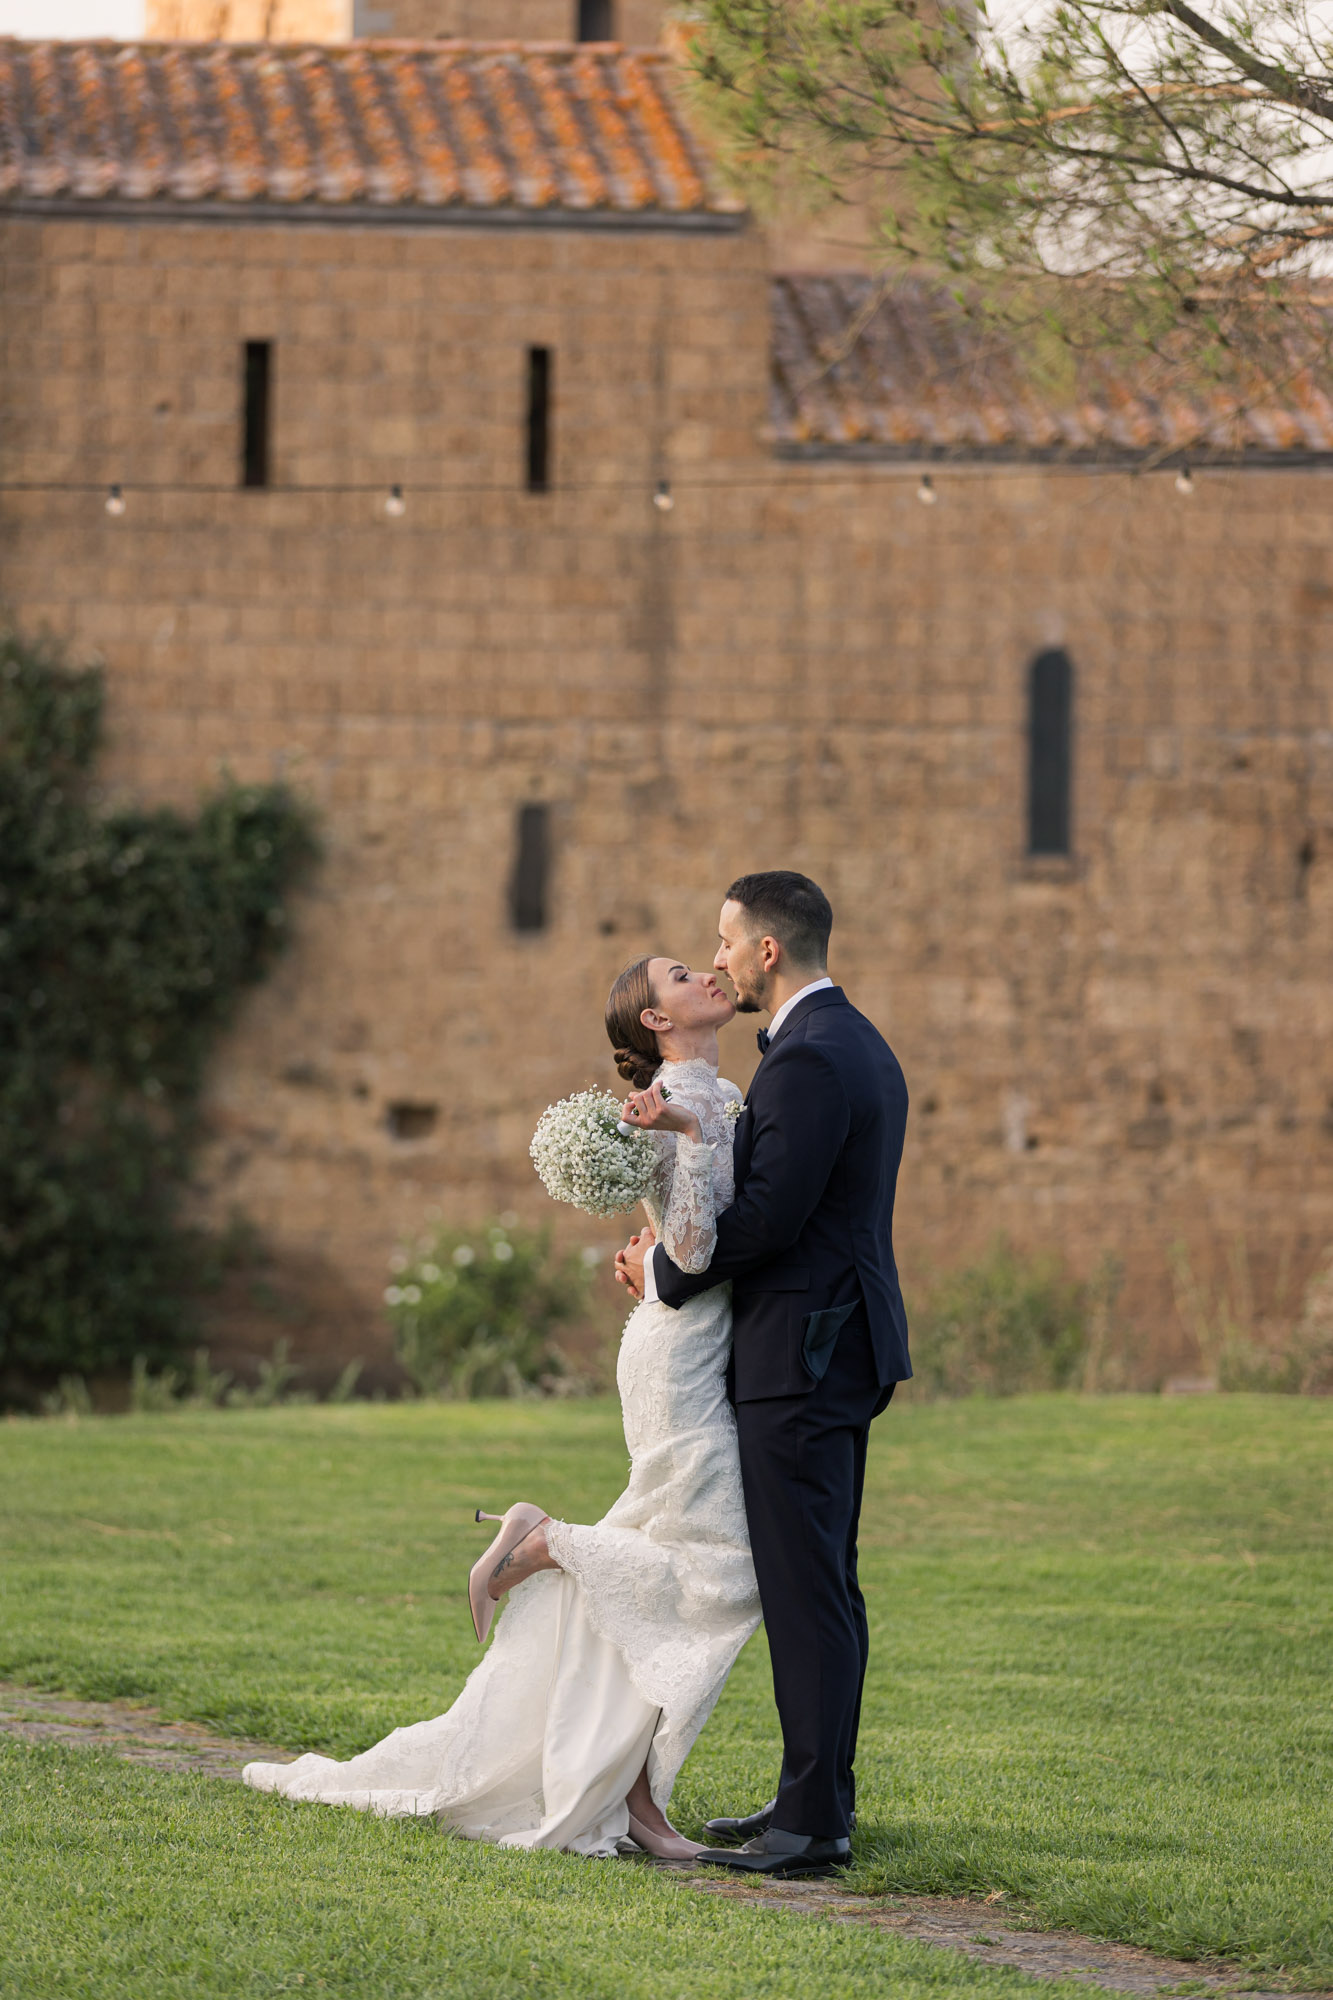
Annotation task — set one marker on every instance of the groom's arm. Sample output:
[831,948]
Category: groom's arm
[800,1126]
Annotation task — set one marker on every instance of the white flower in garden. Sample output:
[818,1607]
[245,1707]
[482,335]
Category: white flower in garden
[583,1159]
[431,1273]
[398,1261]
[465,1254]
[393,1297]
[412,1295]
[502,1251]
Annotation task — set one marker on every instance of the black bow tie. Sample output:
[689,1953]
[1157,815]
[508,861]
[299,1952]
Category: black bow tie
[763,1038]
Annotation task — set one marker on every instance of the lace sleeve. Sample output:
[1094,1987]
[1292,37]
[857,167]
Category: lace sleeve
[689,1219]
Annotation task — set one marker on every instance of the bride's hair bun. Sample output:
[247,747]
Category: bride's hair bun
[637,1070]
[633,1046]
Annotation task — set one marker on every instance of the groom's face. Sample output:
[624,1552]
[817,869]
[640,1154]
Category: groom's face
[745,959]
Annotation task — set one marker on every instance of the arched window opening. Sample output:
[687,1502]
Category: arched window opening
[1050,752]
[541,392]
[530,883]
[595,21]
[256,411]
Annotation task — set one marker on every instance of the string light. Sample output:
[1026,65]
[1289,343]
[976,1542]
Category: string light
[662,499]
[925,492]
[115,501]
[1185,481]
[395,506]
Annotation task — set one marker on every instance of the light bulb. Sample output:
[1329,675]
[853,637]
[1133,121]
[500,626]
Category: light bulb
[662,499]
[1185,481]
[395,506]
[925,492]
[115,500]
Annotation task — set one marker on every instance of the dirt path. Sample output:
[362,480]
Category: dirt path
[136,1733]
[979,1930]
[976,1929]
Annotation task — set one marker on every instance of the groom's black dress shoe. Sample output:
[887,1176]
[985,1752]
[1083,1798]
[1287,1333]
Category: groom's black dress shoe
[735,1832]
[781,1854]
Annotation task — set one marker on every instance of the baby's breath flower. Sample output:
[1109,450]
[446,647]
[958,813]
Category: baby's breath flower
[465,1254]
[584,1160]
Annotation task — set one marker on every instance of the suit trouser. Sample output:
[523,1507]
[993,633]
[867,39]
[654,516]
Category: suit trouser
[803,1462]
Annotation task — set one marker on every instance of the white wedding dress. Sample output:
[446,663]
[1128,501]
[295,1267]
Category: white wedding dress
[618,1657]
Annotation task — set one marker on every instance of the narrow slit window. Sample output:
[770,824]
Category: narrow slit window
[1050,752]
[529,889]
[596,21]
[540,374]
[257,410]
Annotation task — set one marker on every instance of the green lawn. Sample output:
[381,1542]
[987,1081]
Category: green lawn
[1100,1682]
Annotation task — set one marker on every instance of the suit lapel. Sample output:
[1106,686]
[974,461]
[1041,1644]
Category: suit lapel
[827,996]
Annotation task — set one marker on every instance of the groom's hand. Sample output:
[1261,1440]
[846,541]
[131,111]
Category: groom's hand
[630,1261]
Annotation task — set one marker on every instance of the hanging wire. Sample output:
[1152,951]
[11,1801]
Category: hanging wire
[663,493]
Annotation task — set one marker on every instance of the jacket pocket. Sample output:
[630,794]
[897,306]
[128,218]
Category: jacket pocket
[821,1333]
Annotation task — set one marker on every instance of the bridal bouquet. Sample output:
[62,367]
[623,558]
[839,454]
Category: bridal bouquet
[584,1156]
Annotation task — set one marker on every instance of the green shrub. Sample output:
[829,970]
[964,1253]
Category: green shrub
[1002,1325]
[476,1313]
[126,938]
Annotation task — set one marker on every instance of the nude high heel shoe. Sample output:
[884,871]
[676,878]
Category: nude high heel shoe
[664,1847]
[520,1520]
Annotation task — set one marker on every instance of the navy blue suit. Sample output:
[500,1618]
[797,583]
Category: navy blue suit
[820,1339]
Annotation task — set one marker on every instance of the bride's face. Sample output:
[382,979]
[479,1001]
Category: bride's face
[686,999]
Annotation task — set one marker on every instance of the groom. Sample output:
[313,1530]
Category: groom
[820,1339]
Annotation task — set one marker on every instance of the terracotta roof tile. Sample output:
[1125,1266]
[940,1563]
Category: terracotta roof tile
[913,377]
[422,124]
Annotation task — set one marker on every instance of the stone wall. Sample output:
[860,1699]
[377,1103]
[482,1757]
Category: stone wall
[797,665]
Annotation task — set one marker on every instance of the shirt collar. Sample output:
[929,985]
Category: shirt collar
[815,986]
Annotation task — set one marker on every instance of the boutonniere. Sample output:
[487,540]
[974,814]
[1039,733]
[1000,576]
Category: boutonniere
[734,1108]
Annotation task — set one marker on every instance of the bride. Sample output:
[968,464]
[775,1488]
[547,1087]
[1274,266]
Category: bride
[617,1638]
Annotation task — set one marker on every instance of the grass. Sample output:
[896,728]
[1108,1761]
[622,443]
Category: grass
[1101,1634]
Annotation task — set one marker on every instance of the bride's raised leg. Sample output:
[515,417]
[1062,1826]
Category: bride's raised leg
[531,1554]
[496,1571]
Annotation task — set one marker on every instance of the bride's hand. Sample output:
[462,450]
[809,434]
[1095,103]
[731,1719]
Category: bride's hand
[650,1111]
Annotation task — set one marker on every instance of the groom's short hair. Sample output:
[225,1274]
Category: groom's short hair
[788,907]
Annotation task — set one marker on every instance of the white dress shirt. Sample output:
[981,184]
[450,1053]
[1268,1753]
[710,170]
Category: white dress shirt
[815,986]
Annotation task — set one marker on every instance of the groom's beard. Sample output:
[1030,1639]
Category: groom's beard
[749,1001]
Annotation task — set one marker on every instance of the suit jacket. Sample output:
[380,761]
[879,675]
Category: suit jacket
[809,1235]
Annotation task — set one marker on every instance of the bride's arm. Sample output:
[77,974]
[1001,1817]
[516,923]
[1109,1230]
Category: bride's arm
[689,1220]
[686,1177]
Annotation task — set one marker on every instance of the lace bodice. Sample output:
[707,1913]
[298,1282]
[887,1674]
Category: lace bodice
[695,1180]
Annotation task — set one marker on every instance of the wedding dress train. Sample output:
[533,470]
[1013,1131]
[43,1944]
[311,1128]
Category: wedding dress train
[617,1658]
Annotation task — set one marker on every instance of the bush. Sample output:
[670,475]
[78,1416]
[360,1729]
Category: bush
[1002,1325]
[126,938]
[1278,1353]
[475,1314]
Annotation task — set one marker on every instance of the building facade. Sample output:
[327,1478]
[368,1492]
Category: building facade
[481,479]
